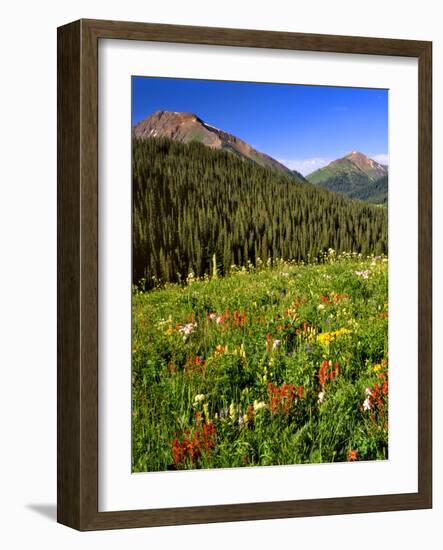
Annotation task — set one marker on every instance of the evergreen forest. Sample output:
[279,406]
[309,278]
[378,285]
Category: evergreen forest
[195,207]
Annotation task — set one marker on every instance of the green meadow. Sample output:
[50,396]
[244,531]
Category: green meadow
[281,363]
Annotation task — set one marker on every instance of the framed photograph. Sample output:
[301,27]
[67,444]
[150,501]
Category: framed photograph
[244,275]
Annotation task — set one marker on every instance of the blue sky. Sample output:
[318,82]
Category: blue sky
[305,127]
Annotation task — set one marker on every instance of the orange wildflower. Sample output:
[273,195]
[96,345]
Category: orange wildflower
[352,455]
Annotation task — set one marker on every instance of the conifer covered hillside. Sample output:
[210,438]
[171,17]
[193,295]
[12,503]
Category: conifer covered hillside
[191,202]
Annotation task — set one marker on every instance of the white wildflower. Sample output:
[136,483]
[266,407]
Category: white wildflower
[198,398]
[366,404]
[188,328]
[190,278]
[364,274]
[276,344]
[258,405]
[321,397]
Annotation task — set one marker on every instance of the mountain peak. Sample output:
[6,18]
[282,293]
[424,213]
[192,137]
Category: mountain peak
[355,154]
[372,168]
[178,116]
[186,127]
[185,115]
[355,175]
[358,158]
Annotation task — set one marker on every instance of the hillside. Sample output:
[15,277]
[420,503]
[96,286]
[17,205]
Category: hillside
[188,127]
[376,193]
[356,176]
[191,202]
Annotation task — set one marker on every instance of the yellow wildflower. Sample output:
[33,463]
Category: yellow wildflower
[326,338]
[342,331]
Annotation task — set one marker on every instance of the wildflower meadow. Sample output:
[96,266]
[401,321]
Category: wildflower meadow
[274,364]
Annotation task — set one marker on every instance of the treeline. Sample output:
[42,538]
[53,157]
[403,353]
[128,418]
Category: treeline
[191,202]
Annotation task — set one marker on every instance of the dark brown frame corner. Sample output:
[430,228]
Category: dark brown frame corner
[77,451]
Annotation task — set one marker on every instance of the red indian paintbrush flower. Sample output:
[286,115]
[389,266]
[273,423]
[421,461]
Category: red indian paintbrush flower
[352,455]
[193,445]
[327,371]
[282,398]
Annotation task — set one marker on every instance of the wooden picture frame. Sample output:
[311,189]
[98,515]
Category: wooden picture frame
[77,456]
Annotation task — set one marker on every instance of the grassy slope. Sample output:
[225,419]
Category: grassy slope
[335,169]
[232,362]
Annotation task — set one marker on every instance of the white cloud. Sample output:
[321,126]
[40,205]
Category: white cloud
[381,158]
[305,166]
